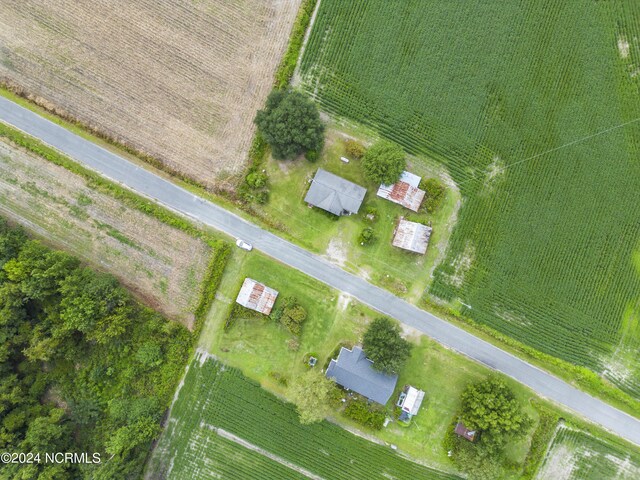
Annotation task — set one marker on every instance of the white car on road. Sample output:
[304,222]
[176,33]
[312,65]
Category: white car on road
[244,245]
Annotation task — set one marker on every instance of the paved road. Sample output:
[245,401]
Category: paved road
[186,203]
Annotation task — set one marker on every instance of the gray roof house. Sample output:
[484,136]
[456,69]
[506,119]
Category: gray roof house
[335,194]
[354,371]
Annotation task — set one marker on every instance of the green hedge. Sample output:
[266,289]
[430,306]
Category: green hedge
[289,61]
[548,420]
[213,277]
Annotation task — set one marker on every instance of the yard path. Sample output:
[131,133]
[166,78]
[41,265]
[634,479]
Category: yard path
[163,191]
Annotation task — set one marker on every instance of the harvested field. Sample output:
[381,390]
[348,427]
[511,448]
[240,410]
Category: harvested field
[177,80]
[163,266]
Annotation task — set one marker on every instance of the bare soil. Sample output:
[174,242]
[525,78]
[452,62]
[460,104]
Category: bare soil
[178,80]
[162,266]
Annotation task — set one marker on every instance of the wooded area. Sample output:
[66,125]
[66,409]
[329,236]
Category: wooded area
[83,366]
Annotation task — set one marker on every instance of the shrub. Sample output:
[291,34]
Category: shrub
[312,156]
[384,162]
[365,414]
[371,214]
[293,344]
[366,236]
[256,179]
[262,197]
[354,149]
[435,194]
[290,314]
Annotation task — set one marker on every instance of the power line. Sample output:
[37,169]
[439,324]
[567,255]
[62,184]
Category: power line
[602,132]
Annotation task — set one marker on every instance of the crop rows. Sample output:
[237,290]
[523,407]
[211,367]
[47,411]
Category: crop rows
[543,250]
[215,396]
[576,455]
[212,456]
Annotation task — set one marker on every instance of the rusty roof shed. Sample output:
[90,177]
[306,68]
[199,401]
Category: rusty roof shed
[412,236]
[257,296]
[404,192]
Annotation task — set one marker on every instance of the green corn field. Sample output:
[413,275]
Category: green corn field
[534,109]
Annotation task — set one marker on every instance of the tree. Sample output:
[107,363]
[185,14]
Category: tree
[131,436]
[290,123]
[384,163]
[311,392]
[384,346]
[47,433]
[491,406]
[95,305]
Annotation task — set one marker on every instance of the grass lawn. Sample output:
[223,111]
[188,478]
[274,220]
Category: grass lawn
[404,273]
[260,349]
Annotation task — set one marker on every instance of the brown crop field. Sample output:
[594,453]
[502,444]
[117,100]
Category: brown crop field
[178,80]
[163,266]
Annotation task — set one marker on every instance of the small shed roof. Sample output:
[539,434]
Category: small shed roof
[413,400]
[353,370]
[404,192]
[256,296]
[462,431]
[335,194]
[412,236]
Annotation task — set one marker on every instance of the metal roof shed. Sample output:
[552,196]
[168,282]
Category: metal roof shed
[257,296]
[411,399]
[404,192]
[412,236]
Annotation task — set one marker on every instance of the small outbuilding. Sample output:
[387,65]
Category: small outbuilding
[335,194]
[409,402]
[257,296]
[411,236]
[404,192]
[462,431]
[354,371]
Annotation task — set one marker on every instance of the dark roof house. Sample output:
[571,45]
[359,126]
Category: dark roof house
[354,371]
[335,194]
